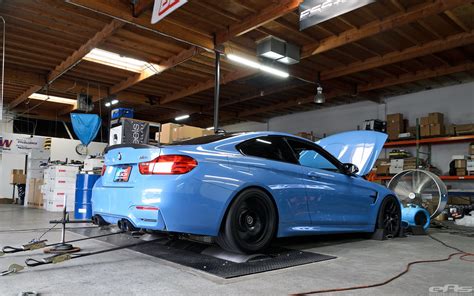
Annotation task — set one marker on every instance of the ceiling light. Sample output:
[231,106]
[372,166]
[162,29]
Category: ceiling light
[257,65]
[319,98]
[107,104]
[210,128]
[112,59]
[114,102]
[243,61]
[52,99]
[274,71]
[182,117]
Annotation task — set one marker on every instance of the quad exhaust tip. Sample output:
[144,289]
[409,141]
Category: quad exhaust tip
[99,221]
[125,225]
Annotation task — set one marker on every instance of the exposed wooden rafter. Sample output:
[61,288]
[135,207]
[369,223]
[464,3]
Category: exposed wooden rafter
[376,27]
[405,78]
[71,60]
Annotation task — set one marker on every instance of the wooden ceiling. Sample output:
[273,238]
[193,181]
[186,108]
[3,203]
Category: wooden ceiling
[385,48]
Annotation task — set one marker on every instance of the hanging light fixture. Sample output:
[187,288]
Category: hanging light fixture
[319,98]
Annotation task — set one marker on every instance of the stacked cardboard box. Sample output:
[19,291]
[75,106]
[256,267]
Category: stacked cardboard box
[462,129]
[59,187]
[409,163]
[172,132]
[382,167]
[34,197]
[461,166]
[17,177]
[470,163]
[395,125]
[432,125]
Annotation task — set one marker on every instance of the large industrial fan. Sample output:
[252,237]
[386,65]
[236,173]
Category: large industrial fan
[422,193]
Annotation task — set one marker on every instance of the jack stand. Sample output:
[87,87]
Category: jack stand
[63,248]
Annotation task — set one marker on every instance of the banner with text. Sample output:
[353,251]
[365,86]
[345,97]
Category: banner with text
[313,12]
[19,144]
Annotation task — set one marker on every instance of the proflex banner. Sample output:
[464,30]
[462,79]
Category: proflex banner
[19,144]
[313,12]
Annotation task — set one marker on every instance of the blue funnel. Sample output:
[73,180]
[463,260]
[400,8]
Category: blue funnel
[86,126]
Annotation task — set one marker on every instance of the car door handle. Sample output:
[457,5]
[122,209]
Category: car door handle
[313,175]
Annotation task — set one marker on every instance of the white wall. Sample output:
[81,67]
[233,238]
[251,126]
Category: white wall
[456,102]
[60,150]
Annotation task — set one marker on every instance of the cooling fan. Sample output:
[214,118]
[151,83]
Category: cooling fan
[422,193]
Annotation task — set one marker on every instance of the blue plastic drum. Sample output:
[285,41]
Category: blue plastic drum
[83,205]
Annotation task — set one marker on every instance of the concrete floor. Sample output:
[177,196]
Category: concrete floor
[127,272]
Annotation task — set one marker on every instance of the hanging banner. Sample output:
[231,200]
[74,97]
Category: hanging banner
[19,144]
[313,12]
[162,8]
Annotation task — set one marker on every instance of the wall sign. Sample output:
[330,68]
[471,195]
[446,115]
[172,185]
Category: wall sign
[162,8]
[20,144]
[313,12]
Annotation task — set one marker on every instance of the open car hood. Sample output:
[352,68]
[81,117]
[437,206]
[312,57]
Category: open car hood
[361,148]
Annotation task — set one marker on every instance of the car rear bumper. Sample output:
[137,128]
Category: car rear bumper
[172,203]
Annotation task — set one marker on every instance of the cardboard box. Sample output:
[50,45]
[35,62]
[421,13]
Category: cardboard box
[425,130]
[383,169]
[471,149]
[437,129]
[460,163]
[461,172]
[458,156]
[17,172]
[436,118]
[458,200]
[18,178]
[451,130]
[424,120]
[62,171]
[396,117]
[172,132]
[464,129]
[35,197]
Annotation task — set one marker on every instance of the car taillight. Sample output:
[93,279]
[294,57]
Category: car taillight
[104,168]
[168,165]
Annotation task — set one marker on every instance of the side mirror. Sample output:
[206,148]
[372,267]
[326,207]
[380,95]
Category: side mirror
[350,168]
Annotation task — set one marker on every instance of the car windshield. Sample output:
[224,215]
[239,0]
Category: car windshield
[202,140]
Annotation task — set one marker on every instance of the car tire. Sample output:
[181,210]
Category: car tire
[250,224]
[389,217]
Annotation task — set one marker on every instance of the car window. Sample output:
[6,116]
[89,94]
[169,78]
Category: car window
[309,156]
[269,147]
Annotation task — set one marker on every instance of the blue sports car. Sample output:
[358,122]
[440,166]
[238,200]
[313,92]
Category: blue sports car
[245,189]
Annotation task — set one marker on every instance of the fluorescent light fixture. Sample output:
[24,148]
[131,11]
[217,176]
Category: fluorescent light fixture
[257,65]
[182,117]
[210,128]
[107,104]
[114,102]
[112,59]
[274,71]
[52,99]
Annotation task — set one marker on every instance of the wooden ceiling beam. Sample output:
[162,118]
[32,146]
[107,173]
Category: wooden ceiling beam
[72,60]
[120,10]
[140,6]
[257,19]
[402,79]
[456,20]
[229,77]
[398,56]
[172,62]
[373,28]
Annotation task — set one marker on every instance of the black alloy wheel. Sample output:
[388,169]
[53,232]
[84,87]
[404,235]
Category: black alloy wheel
[389,218]
[250,224]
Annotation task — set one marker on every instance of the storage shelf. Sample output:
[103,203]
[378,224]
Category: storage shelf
[439,140]
[451,178]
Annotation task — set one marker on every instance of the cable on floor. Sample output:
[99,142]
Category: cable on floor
[463,257]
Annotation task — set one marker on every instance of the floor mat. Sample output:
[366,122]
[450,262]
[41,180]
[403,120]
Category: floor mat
[188,254]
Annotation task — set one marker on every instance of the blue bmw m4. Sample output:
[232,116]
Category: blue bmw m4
[245,189]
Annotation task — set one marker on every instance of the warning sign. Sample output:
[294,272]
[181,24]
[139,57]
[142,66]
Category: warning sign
[162,8]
